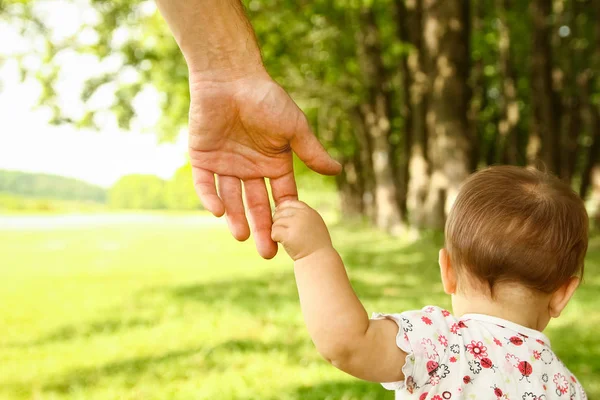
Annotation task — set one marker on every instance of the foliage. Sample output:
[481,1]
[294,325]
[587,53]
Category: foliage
[179,192]
[130,311]
[138,192]
[49,186]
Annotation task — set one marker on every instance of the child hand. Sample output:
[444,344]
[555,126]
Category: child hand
[300,229]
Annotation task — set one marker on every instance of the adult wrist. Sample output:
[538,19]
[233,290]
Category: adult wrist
[225,61]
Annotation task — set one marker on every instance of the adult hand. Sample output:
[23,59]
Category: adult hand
[244,130]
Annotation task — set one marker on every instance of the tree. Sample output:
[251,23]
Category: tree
[179,194]
[446,41]
[142,192]
[410,101]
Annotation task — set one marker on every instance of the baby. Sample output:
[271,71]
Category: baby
[515,245]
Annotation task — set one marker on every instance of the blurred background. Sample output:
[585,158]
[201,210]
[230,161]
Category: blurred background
[115,284]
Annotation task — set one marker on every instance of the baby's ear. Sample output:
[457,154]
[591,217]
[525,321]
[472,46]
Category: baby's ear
[560,298]
[447,272]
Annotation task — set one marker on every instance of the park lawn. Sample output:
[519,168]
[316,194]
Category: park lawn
[176,311]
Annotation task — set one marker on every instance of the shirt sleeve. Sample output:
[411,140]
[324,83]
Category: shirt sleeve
[424,336]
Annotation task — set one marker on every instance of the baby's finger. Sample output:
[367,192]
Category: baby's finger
[284,213]
[292,204]
[278,232]
[283,221]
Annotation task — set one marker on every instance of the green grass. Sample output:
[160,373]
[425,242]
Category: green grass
[174,311]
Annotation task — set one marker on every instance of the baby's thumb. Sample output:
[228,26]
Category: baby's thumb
[277,232]
[311,151]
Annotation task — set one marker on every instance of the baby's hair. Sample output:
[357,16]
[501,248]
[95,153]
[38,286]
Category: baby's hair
[518,225]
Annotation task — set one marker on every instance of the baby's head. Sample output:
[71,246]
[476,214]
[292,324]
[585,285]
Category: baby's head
[516,231]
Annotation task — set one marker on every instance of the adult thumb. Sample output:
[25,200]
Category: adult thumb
[308,148]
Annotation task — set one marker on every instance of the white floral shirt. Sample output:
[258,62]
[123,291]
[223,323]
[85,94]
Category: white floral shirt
[477,357]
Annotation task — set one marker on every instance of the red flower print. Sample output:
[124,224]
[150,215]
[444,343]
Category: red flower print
[477,349]
[499,343]
[537,355]
[454,328]
[445,313]
[436,397]
[429,310]
[562,385]
[452,359]
[426,320]
[443,341]
[434,380]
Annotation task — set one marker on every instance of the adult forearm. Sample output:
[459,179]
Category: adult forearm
[215,37]
[334,316]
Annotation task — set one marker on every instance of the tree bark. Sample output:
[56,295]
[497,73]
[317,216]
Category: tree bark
[375,113]
[590,177]
[477,89]
[351,187]
[510,114]
[416,91]
[366,171]
[446,38]
[544,142]
[591,168]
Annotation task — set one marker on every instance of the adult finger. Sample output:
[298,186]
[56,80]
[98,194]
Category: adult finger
[306,145]
[284,188]
[259,209]
[204,183]
[230,190]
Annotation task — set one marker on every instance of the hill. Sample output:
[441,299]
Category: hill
[38,185]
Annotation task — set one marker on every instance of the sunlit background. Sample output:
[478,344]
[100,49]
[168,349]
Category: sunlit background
[115,284]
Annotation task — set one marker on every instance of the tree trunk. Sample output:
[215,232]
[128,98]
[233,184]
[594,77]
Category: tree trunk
[591,166]
[416,89]
[375,113]
[510,115]
[406,109]
[351,187]
[590,177]
[544,143]
[446,38]
[477,90]
[367,174]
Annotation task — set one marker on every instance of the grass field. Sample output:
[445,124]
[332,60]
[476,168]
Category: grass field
[174,310]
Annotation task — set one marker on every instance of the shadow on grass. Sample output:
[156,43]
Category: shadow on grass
[416,280]
[213,358]
[72,332]
[351,390]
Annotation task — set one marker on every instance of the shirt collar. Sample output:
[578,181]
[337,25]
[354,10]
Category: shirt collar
[532,333]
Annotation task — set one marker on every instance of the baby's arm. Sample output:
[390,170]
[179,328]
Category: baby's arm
[337,321]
